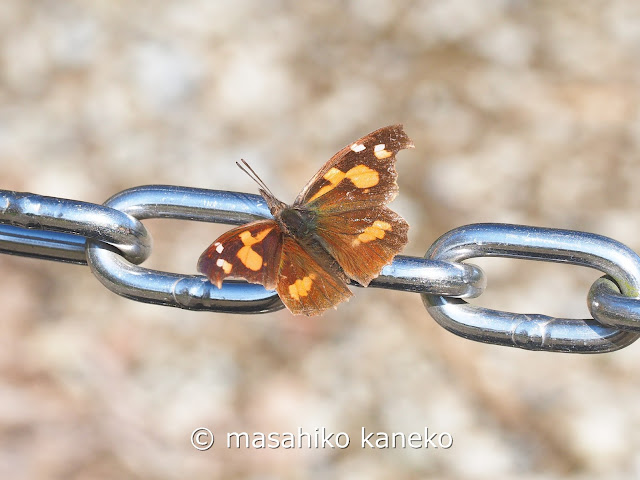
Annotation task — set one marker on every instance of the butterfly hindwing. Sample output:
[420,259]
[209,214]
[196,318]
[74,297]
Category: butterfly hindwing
[363,241]
[251,251]
[305,286]
[360,175]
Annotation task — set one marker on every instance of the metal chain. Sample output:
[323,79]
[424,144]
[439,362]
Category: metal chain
[112,240]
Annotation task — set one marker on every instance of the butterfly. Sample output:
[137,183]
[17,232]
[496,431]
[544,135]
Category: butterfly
[337,230]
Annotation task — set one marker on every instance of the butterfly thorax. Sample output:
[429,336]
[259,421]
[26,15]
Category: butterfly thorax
[294,220]
[298,222]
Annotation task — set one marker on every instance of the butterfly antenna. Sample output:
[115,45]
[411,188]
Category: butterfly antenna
[246,168]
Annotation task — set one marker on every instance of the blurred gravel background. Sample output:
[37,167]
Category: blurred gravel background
[521,112]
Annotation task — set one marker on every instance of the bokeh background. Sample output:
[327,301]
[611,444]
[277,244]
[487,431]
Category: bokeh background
[521,112]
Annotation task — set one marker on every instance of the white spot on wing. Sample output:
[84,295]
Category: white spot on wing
[379,147]
[220,262]
[357,147]
[219,248]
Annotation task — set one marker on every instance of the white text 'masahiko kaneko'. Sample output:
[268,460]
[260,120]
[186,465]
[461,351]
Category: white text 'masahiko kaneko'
[321,438]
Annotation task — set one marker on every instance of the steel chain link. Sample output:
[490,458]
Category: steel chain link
[112,240]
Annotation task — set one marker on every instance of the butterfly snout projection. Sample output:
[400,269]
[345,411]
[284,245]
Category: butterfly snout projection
[338,229]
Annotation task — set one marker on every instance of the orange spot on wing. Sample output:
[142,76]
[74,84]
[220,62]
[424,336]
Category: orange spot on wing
[226,266]
[248,239]
[301,287]
[380,152]
[334,176]
[249,258]
[247,255]
[373,232]
[363,177]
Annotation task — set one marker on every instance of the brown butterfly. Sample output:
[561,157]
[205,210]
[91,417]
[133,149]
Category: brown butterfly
[336,230]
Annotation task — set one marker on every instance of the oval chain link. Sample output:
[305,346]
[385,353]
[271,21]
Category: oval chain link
[194,292]
[73,222]
[539,332]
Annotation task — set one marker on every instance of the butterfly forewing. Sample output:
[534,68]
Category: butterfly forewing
[251,252]
[305,286]
[360,175]
[363,241]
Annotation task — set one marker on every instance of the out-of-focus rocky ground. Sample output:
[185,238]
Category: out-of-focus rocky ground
[521,112]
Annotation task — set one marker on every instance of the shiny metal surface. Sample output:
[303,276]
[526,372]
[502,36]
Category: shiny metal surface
[61,247]
[84,219]
[185,203]
[537,332]
[610,307]
[192,292]
[112,240]
[411,274]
